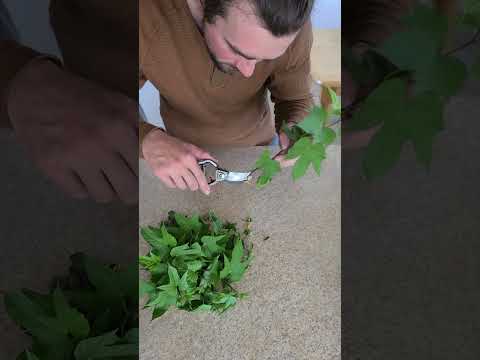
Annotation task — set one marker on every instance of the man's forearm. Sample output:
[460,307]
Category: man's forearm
[14,58]
[371,21]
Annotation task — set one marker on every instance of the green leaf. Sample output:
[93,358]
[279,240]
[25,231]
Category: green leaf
[475,69]
[385,100]
[194,265]
[149,261]
[188,282]
[192,275]
[335,102]
[211,276]
[327,136]
[128,281]
[168,239]
[102,322]
[158,311]
[103,278]
[43,326]
[70,317]
[223,301]
[132,336]
[173,275]
[237,265]
[158,238]
[227,268]
[216,223]
[146,287]
[104,347]
[445,76]
[188,224]
[211,244]
[31,356]
[383,151]
[420,42]
[314,123]
[293,132]
[42,300]
[185,250]
[203,307]
[164,299]
[308,154]
[424,115]
[471,13]
[300,167]
[268,167]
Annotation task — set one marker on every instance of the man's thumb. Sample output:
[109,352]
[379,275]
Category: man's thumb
[201,154]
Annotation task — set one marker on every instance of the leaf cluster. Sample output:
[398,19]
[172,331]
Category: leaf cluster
[192,264]
[309,138]
[416,78]
[89,314]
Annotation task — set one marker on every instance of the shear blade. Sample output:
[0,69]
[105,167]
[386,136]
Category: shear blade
[238,177]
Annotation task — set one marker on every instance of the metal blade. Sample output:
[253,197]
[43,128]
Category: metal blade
[238,176]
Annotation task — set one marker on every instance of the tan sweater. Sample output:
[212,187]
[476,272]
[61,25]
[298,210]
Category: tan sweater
[101,40]
[202,105]
[98,40]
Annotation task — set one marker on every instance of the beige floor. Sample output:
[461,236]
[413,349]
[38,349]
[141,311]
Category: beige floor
[293,311]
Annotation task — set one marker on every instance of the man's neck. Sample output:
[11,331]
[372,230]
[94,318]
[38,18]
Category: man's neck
[196,8]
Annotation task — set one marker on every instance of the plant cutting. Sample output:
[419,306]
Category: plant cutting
[192,263]
[310,139]
[413,77]
[92,313]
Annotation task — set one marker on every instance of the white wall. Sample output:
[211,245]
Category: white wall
[327,14]
[32,21]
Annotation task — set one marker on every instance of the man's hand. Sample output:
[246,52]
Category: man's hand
[285,145]
[81,135]
[175,162]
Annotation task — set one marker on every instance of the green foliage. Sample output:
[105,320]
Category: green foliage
[194,269]
[269,169]
[89,314]
[309,140]
[475,70]
[471,14]
[408,103]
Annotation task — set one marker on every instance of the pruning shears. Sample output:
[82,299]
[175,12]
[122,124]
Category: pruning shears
[216,174]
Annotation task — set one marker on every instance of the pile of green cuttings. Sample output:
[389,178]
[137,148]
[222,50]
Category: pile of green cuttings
[92,313]
[193,262]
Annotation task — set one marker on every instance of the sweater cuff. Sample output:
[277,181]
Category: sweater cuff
[144,129]
[14,58]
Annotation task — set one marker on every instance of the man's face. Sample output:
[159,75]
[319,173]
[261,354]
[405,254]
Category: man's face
[238,41]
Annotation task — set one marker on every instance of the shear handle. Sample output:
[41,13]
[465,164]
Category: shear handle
[204,165]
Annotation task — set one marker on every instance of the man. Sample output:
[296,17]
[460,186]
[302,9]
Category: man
[213,62]
[77,119]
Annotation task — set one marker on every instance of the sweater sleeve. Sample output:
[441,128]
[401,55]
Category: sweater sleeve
[290,84]
[144,127]
[14,58]
[371,21]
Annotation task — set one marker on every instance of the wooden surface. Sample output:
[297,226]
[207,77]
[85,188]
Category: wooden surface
[293,307]
[326,56]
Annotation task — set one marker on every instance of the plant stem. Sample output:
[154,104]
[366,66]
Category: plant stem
[472,41]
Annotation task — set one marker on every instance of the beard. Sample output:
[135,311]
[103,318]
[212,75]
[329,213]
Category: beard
[223,67]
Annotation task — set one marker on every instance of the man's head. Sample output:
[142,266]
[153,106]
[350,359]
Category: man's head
[241,33]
